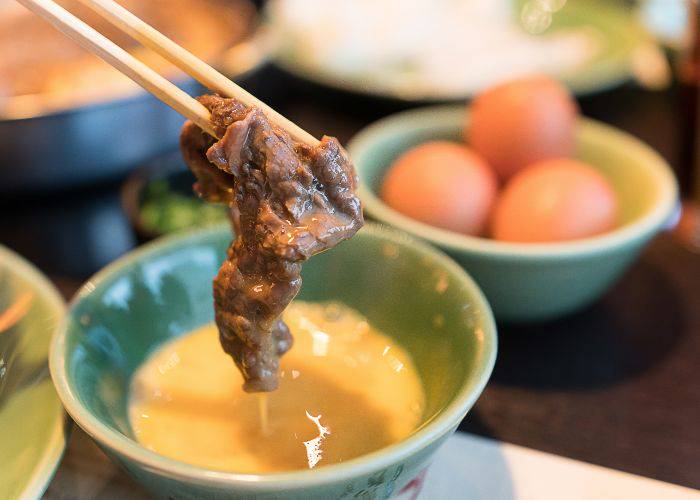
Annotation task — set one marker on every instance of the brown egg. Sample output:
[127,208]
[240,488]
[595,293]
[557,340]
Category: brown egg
[520,122]
[443,184]
[555,200]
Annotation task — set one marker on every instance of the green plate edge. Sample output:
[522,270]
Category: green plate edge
[34,482]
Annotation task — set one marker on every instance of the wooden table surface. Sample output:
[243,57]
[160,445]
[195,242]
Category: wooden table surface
[617,384]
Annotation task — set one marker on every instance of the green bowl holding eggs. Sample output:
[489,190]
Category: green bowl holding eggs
[163,290]
[530,281]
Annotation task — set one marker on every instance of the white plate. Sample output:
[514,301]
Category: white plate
[472,467]
[616,30]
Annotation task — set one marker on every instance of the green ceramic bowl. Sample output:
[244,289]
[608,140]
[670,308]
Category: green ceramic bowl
[530,282]
[33,427]
[410,291]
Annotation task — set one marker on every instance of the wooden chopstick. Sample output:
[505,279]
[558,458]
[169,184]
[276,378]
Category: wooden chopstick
[157,85]
[89,38]
[189,63]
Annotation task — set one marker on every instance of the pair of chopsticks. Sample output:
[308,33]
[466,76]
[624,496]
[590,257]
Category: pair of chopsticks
[156,84]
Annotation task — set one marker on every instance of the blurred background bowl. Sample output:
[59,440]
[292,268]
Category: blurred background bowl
[530,282]
[158,199]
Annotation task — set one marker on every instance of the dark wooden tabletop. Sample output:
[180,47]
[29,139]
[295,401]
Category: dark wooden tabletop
[616,385]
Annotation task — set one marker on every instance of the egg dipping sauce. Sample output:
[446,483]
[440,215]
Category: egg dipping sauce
[345,390]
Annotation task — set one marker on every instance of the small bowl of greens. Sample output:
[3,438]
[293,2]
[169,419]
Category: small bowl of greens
[158,199]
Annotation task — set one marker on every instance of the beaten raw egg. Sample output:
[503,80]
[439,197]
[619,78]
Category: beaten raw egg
[523,121]
[555,200]
[443,184]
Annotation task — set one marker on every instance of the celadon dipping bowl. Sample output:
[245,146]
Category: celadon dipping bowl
[405,288]
[526,282]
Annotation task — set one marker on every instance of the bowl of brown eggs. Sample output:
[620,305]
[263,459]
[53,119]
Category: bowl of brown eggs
[543,207]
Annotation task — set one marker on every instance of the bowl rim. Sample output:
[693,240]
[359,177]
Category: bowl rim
[448,418]
[442,117]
